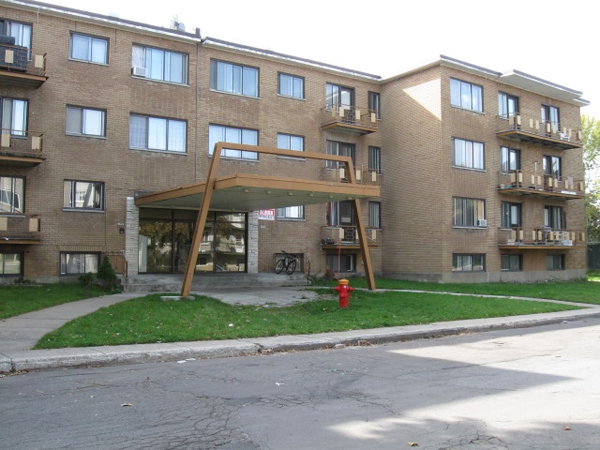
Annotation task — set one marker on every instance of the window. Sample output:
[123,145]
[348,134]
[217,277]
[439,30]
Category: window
[14,116]
[336,95]
[375,214]
[77,263]
[508,105]
[510,159]
[375,104]
[468,154]
[221,133]
[341,263]
[466,95]
[11,264]
[469,212]
[290,142]
[511,262]
[155,133]
[291,86]
[12,194]
[89,48]
[161,65]
[511,215]
[86,121]
[87,195]
[339,149]
[550,118]
[21,32]
[554,217]
[468,263]
[551,165]
[555,262]
[375,159]
[291,212]
[234,78]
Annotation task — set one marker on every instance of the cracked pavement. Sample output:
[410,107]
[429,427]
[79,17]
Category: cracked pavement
[520,389]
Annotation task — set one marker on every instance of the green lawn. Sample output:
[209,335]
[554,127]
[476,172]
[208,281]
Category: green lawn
[150,319]
[16,300]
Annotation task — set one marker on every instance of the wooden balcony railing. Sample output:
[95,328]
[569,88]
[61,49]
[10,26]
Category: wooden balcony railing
[540,237]
[536,131]
[349,119]
[521,182]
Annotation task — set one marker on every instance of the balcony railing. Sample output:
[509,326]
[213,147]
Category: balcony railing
[19,67]
[362,175]
[347,235]
[533,130]
[19,229]
[540,237]
[22,148]
[349,119]
[519,182]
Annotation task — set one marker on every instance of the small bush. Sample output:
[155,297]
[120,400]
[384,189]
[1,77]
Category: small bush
[86,279]
[107,277]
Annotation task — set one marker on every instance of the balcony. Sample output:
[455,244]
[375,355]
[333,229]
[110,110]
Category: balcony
[535,131]
[539,238]
[349,119]
[18,68]
[21,148]
[362,175]
[346,237]
[533,183]
[19,229]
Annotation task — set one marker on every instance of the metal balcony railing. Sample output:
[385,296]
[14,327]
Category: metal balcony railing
[349,119]
[21,143]
[535,183]
[20,67]
[347,235]
[540,236]
[534,130]
[19,229]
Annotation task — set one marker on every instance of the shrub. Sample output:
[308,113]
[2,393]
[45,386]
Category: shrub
[86,279]
[107,276]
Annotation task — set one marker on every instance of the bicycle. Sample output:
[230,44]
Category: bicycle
[287,263]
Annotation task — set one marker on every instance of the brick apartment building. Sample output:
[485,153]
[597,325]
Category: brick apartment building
[468,174]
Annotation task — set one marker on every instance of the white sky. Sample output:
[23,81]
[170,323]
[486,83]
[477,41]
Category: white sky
[553,40]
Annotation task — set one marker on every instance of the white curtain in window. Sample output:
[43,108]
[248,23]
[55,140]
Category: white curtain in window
[157,133]
[177,136]
[99,51]
[93,122]
[138,129]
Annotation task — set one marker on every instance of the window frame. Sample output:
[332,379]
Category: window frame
[375,103]
[21,260]
[290,213]
[511,215]
[338,148]
[507,262]
[169,144]
[64,271]
[468,158]
[554,217]
[552,260]
[459,99]
[550,114]
[82,120]
[70,201]
[8,22]
[505,101]
[226,83]
[292,138]
[334,95]
[21,131]
[474,207]
[90,58]
[374,163]
[293,79]
[552,165]
[462,261]
[14,192]
[244,133]
[141,61]
[375,215]
[332,261]
[506,161]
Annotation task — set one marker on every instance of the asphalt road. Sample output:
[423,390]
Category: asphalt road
[522,389]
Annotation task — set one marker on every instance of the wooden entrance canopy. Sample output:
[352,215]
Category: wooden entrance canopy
[246,192]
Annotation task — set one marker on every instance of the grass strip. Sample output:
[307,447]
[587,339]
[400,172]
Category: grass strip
[150,319]
[17,300]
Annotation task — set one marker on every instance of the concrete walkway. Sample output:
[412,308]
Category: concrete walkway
[19,334]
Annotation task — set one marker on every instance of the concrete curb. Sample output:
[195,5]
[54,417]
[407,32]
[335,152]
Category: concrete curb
[27,360]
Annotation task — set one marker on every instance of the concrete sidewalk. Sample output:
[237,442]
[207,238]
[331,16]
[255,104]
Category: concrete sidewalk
[19,334]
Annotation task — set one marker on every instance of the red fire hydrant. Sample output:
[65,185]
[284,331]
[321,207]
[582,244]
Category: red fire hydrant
[344,292]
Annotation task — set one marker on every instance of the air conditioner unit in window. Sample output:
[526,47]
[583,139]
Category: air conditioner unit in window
[482,223]
[138,71]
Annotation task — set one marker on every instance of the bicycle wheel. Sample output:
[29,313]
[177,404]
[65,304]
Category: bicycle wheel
[279,266]
[291,267]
